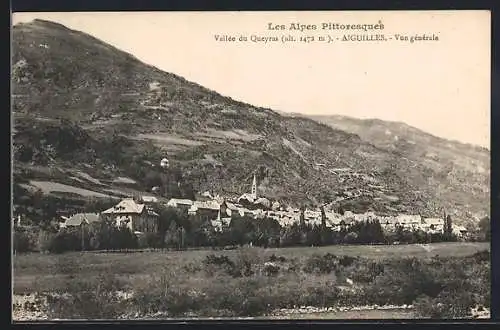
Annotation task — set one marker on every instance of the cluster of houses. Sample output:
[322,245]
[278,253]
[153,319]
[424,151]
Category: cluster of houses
[139,216]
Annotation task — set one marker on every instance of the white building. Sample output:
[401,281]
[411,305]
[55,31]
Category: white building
[458,230]
[184,204]
[409,221]
[135,216]
[149,199]
[433,225]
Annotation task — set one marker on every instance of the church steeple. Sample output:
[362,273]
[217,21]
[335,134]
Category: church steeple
[254,187]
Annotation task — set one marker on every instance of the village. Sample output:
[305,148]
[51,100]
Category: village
[139,216]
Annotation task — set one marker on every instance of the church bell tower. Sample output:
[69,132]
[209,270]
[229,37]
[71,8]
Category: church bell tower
[254,187]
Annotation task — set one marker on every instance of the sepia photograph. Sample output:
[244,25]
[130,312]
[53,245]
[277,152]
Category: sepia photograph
[312,165]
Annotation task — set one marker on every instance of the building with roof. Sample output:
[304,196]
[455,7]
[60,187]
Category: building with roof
[409,220]
[183,204]
[349,214]
[246,199]
[276,206]
[312,216]
[149,199]
[263,203]
[80,219]
[244,212]
[204,196]
[433,225]
[138,217]
[459,231]
[336,224]
[258,213]
[207,210]
[229,208]
[333,220]
[389,222]
[220,224]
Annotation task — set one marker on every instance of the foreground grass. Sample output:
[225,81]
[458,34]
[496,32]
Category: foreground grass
[243,283]
[31,265]
[35,272]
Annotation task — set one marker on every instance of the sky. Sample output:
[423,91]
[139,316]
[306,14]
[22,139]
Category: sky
[441,87]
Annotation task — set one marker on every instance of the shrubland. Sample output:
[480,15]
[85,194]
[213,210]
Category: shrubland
[248,283]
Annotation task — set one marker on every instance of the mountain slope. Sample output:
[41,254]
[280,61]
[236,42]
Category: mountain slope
[463,164]
[125,114]
[418,145]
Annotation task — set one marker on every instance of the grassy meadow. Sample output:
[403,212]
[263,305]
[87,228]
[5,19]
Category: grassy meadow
[256,281]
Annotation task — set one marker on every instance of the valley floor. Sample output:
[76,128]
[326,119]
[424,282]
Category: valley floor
[154,273]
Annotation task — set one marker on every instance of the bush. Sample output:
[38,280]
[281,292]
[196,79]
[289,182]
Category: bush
[45,241]
[271,269]
[166,297]
[171,295]
[150,240]
[402,282]
[244,265]
[24,240]
[321,264]
[152,297]
[482,256]
[274,258]
[105,235]
[485,229]
[213,259]
[478,276]
[365,271]
[322,296]
[346,261]
[253,306]
[192,267]
[222,297]
[221,262]
[246,259]
[447,305]
[424,307]
[242,297]
[88,299]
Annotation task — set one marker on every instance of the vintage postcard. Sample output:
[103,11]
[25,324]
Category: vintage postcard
[251,165]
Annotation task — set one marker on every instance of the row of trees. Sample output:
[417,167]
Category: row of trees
[177,230]
[485,229]
[97,236]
